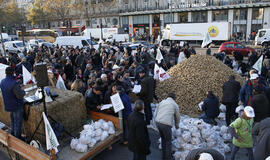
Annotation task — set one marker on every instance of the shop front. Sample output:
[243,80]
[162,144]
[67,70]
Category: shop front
[141,27]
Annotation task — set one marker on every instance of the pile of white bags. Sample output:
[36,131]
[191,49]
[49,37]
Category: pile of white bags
[194,133]
[92,134]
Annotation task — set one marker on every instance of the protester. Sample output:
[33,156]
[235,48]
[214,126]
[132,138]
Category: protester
[166,115]
[146,94]
[241,130]
[260,104]
[262,131]
[247,89]
[211,108]
[13,101]
[231,90]
[94,99]
[204,154]
[138,137]
[126,112]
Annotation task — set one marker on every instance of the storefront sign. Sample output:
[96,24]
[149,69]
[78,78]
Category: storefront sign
[192,5]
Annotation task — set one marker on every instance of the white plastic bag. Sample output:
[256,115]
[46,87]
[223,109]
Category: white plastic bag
[92,143]
[105,126]
[186,136]
[98,132]
[111,130]
[88,127]
[223,130]
[74,142]
[81,148]
[84,139]
[97,125]
[110,124]
[222,108]
[104,135]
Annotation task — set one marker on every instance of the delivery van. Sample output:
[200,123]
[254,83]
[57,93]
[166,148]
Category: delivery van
[75,41]
[263,37]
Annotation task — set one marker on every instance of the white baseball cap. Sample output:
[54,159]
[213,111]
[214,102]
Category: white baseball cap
[206,156]
[268,158]
[249,112]
[103,76]
[254,76]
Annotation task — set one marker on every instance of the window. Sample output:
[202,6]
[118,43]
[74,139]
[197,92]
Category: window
[199,17]
[230,45]
[183,17]
[257,13]
[168,17]
[262,33]
[144,19]
[84,43]
[239,46]
[220,15]
[78,22]
[240,14]
[125,20]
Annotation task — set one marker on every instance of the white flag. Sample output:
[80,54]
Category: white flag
[159,56]
[60,83]
[258,65]
[27,77]
[51,140]
[206,40]
[163,75]
[156,72]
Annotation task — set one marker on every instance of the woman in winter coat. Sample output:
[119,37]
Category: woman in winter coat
[262,130]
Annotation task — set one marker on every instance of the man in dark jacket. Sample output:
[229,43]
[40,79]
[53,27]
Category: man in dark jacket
[13,101]
[260,104]
[262,130]
[211,108]
[126,112]
[231,90]
[93,100]
[146,94]
[138,137]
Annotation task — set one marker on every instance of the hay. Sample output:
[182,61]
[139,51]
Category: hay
[67,109]
[191,79]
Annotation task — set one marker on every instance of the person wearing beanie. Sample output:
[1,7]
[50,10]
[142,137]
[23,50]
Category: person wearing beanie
[13,101]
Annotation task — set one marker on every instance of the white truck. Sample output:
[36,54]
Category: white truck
[219,31]
[75,41]
[118,38]
[96,32]
[263,37]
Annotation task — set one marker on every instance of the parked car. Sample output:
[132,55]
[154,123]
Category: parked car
[76,41]
[47,44]
[229,47]
[36,41]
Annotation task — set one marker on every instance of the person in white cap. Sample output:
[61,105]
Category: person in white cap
[247,89]
[206,156]
[241,130]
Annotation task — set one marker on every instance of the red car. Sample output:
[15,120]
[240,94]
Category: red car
[229,47]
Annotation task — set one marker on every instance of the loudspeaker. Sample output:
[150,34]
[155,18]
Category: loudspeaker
[41,75]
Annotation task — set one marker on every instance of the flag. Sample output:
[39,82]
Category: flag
[160,73]
[156,72]
[27,77]
[51,140]
[258,65]
[159,56]
[206,40]
[163,75]
[60,83]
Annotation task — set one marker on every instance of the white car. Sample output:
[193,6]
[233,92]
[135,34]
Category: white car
[16,47]
[36,41]
[75,41]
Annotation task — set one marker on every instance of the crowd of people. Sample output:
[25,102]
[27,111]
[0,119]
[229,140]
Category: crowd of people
[110,69]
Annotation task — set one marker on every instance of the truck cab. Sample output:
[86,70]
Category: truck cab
[263,37]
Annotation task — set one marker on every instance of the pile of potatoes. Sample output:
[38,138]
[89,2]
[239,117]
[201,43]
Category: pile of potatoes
[191,79]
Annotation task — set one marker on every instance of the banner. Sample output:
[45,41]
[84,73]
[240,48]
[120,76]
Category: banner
[60,83]
[51,140]
[27,77]
[258,65]
[206,40]
[159,56]
[160,73]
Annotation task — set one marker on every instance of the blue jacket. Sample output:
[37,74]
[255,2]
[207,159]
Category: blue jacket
[211,106]
[246,92]
[13,98]
[127,104]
